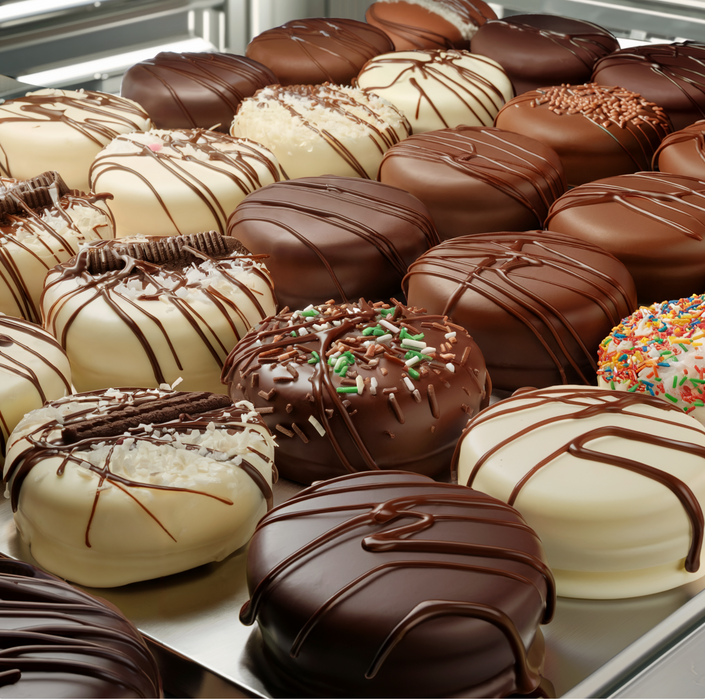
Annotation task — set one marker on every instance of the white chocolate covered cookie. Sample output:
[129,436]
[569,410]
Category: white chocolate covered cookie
[322,129]
[63,130]
[439,89]
[125,485]
[169,182]
[146,311]
[612,482]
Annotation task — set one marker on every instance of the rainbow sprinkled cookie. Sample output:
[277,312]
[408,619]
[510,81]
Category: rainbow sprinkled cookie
[659,350]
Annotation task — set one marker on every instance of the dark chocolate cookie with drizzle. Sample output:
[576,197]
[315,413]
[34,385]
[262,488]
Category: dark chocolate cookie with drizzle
[360,387]
[144,311]
[124,485]
[613,483]
[421,590]
[537,303]
[60,642]
[683,152]
[333,237]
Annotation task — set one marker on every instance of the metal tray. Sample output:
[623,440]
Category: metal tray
[191,622]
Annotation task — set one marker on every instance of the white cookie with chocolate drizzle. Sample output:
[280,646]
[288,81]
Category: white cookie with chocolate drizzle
[124,485]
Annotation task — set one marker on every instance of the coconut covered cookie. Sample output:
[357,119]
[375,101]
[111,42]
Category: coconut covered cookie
[125,485]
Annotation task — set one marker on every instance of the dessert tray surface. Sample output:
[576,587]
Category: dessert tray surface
[594,648]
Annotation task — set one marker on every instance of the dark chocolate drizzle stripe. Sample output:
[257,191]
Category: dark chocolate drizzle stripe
[380,520]
[104,286]
[695,134]
[498,257]
[467,86]
[273,339]
[497,164]
[44,446]
[608,402]
[233,160]
[59,629]
[661,198]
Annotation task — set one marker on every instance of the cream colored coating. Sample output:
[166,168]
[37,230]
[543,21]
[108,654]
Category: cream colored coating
[608,532]
[63,130]
[321,129]
[181,181]
[33,369]
[32,243]
[206,508]
[467,30]
[188,319]
[438,89]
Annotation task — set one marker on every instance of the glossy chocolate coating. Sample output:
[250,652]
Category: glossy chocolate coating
[597,131]
[421,590]
[60,642]
[333,237]
[683,152]
[413,26]
[653,222]
[671,75]
[537,303]
[540,50]
[404,416]
[191,90]
[477,179]
[312,51]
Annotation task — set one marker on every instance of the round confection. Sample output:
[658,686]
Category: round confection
[683,152]
[429,24]
[333,237]
[360,387]
[391,585]
[125,485]
[170,182]
[540,50]
[42,224]
[436,89]
[312,51]
[477,179]
[537,303]
[613,483]
[192,90]
[33,369]
[322,129]
[653,222]
[658,351]
[597,131]
[131,313]
[60,642]
[671,75]
[63,130]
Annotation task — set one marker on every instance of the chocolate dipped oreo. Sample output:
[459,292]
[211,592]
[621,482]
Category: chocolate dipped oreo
[540,50]
[360,387]
[477,179]
[429,24]
[333,237]
[671,75]
[319,50]
[683,152]
[147,311]
[653,222]
[597,131]
[428,590]
[537,303]
[60,642]
[123,485]
[194,90]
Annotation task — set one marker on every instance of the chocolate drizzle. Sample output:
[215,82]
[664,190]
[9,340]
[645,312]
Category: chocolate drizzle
[57,636]
[584,405]
[694,158]
[379,533]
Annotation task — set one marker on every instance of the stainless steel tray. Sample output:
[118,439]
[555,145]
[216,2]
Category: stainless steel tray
[594,648]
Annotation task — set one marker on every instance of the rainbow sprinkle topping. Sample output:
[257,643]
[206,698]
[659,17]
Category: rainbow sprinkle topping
[659,350]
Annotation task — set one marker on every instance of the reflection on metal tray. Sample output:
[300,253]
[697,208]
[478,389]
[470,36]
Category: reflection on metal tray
[191,620]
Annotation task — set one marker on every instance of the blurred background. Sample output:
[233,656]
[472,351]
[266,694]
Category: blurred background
[90,43]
